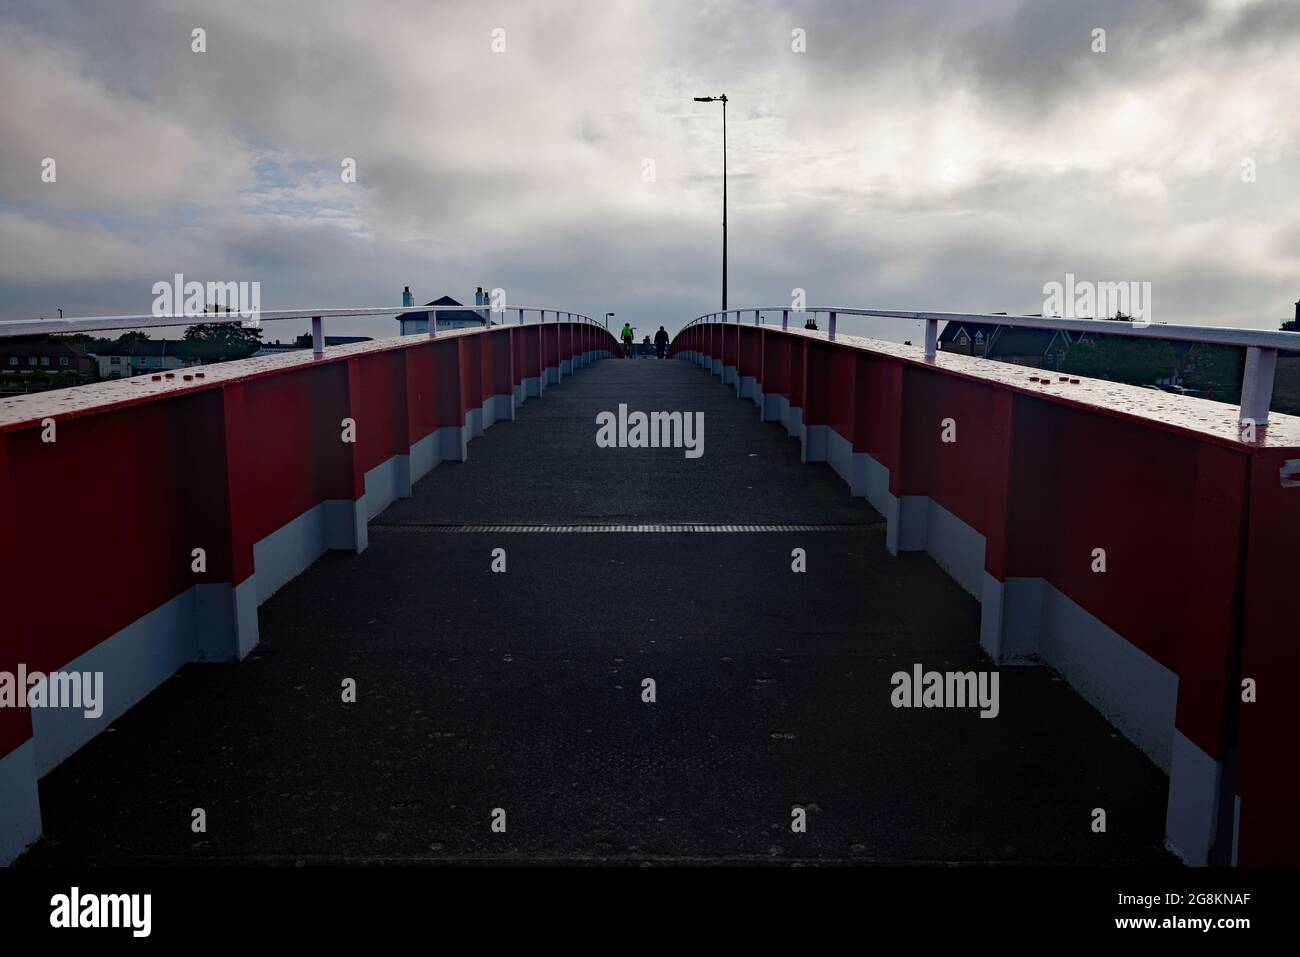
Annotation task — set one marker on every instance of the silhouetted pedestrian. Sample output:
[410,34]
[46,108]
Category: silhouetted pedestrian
[661,342]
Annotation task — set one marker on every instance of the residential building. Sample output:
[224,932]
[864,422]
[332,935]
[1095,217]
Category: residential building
[130,357]
[1039,348]
[417,322]
[27,354]
[303,341]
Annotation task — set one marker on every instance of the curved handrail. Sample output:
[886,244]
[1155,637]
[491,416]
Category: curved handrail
[1218,335]
[75,324]
[1261,345]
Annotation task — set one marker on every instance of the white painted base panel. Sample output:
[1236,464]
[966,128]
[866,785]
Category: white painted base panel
[20,809]
[1191,821]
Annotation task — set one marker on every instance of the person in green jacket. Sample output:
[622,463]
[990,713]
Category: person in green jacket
[626,336]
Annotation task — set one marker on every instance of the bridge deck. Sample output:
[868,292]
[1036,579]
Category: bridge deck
[522,690]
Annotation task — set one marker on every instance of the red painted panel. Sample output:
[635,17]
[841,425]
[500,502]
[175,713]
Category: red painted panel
[818,387]
[226,489]
[841,371]
[532,351]
[378,404]
[776,364]
[151,505]
[730,344]
[749,340]
[1210,550]
[1003,431]
[1083,481]
[517,335]
[877,394]
[449,406]
[471,371]
[15,723]
[498,362]
[550,345]
[420,392]
[958,475]
[795,373]
[1268,779]
[293,431]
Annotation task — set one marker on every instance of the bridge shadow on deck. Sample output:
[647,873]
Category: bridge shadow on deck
[522,690]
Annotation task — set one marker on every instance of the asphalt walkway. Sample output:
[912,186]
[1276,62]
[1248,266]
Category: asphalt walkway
[523,690]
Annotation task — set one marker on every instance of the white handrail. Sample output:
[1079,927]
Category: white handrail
[76,324]
[1261,345]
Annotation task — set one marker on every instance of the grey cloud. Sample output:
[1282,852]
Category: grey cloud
[1271,22]
[523,170]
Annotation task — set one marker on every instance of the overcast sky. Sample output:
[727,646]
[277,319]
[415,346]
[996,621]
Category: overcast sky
[927,155]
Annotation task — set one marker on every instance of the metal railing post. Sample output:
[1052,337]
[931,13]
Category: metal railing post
[785,318]
[317,336]
[931,338]
[1257,385]
[830,326]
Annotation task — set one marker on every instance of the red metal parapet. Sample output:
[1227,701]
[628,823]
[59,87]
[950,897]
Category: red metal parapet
[186,502]
[1142,544]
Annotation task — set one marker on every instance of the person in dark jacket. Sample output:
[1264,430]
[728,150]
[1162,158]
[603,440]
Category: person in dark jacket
[661,342]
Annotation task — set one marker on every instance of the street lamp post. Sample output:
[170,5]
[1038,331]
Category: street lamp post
[723,100]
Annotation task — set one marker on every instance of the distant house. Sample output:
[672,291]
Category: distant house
[1046,348]
[303,341]
[275,348]
[26,354]
[1039,348]
[130,357]
[417,322]
[1293,325]
[1286,382]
